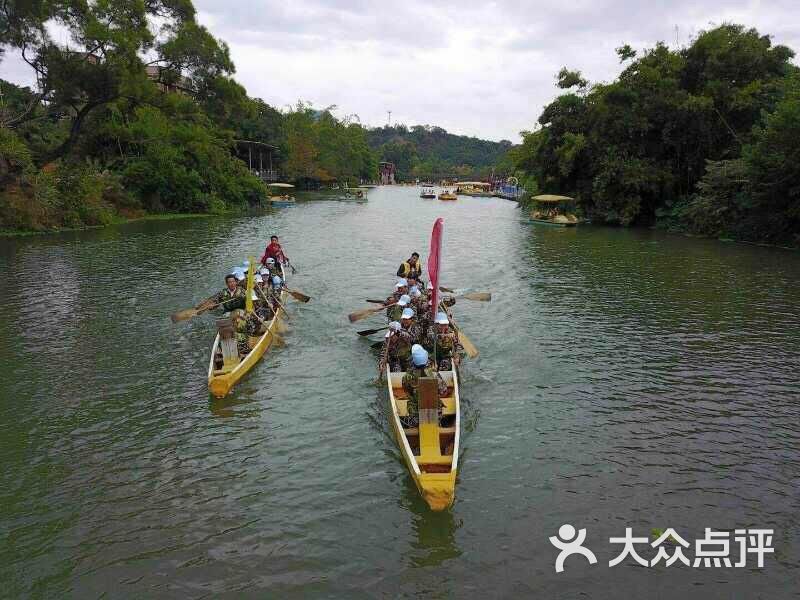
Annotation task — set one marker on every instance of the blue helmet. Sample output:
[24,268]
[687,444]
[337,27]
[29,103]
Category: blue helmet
[419,356]
[277,280]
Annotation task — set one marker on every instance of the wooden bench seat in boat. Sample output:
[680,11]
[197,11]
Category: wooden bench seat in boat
[401,393]
[415,430]
[448,409]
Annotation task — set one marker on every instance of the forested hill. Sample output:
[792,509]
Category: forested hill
[428,152]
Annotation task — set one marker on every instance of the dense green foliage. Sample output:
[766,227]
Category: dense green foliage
[702,139]
[427,152]
[322,149]
[106,133]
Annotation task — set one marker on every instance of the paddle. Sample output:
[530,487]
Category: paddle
[367,332]
[376,345]
[478,296]
[375,301]
[363,314]
[264,297]
[188,313]
[298,295]
[465,342]
[275,337]
[291,266]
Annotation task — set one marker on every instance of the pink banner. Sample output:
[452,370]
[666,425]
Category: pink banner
[434,262]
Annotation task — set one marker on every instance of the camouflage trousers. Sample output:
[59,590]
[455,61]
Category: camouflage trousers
[412,407]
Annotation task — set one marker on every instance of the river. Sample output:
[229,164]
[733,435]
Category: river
[627,378]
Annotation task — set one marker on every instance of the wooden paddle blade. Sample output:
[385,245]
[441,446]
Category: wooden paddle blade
[280,326]
[278,340]
[363,314]
[467,344]
[367,332]
[183,315]
[479,296]
[376,345]
[446,290]
[299,296]
[376,301]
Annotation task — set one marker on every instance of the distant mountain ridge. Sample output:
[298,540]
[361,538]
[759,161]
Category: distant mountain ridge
[430,152]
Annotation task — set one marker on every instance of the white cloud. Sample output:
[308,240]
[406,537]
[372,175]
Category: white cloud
[477,68]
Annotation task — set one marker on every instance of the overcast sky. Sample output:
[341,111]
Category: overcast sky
[477,68]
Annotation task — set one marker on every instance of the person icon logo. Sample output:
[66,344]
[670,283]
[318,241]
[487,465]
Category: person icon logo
[570,543]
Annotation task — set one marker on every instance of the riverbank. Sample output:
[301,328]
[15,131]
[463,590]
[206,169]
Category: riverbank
[673,229]
[118,220]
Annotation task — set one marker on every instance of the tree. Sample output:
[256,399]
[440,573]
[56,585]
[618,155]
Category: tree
[110,38]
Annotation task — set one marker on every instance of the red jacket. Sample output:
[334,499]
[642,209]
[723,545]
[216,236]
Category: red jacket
[275,251]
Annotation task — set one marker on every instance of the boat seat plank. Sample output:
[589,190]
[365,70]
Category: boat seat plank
[415,430]
[448,409]
[434,460]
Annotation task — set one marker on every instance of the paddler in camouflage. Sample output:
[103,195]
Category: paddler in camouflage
[409,322]
[419,302]
[232,295]
[400,289]
[421,366]
[240,326]
[394,313]
[415,281]
[405,339]
[442,343]
[390,346]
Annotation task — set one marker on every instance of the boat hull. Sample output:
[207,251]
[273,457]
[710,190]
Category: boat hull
[221,383]
[436,488]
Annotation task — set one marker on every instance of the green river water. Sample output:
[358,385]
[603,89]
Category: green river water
[626,379]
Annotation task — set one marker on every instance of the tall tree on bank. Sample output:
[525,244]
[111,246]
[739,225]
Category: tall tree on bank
[635,150]
[104,61]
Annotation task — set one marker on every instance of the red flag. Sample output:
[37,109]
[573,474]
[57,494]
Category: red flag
[434,262]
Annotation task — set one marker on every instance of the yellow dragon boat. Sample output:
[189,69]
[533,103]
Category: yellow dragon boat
[447,195]
[430,448]
[221,381]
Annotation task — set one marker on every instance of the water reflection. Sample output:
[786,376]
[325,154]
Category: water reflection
[224,408]
[435,532]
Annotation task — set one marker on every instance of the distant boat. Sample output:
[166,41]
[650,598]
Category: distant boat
[448,195]
[475,188]
[283,200]
[427,192]
[553,210]
[358,194]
